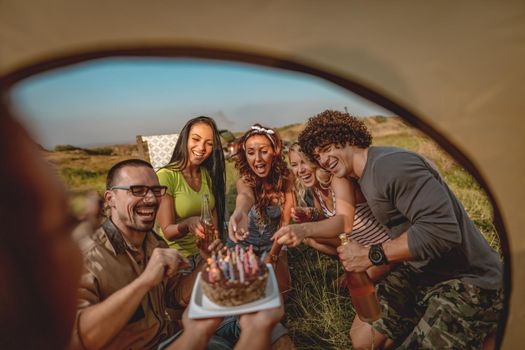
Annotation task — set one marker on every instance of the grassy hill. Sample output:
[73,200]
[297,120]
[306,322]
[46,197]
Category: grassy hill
[318,311]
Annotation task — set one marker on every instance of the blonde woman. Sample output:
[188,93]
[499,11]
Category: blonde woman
[365,229]
[317,181]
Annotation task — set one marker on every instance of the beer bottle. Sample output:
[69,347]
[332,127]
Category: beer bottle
[362,291]
[207,222]
[273,256]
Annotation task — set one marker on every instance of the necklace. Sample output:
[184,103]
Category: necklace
[323,202]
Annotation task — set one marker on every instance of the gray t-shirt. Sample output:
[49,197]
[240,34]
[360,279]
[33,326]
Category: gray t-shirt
[407,194]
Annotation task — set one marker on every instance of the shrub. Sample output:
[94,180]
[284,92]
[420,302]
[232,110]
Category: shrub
[380,119]
[100,151]
[64,148]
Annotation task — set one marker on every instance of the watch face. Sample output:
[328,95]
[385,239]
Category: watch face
[376,256]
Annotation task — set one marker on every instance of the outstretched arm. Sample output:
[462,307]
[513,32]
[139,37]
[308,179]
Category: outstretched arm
[256,329]
[325,246]
[238,224]
[292,235]
[196,334]
[289,201]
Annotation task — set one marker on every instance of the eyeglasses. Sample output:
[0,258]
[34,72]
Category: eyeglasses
[142,190]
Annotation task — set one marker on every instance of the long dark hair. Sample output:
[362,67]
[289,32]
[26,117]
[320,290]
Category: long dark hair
[278,176]
[214,163]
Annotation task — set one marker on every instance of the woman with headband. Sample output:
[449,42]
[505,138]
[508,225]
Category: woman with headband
[264,197]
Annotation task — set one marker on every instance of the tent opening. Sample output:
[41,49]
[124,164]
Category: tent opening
[94,104]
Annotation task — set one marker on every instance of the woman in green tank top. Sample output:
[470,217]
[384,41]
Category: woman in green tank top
[196,168]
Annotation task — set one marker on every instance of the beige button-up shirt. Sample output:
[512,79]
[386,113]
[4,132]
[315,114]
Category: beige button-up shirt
[109,265]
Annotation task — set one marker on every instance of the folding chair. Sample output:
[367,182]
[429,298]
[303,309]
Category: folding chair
[160,148]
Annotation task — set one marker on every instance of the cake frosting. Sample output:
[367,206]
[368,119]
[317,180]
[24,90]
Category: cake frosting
[234,277]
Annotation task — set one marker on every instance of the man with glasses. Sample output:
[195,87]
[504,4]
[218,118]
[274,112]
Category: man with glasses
[131,276]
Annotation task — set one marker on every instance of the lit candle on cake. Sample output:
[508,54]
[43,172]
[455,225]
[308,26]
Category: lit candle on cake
[253,263]
[234,277]
[210,274]
[246,263]
[230,268]
[241,270]
[224,268]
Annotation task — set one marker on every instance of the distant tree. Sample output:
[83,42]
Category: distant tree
[63,148]
[380,119]
[100,151]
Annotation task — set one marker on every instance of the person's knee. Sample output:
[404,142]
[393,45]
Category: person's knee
[361,339]
[365,337]
[283,343]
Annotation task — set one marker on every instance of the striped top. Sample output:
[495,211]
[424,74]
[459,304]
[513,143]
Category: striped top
[366,229]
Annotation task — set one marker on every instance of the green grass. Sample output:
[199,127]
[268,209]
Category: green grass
[80,178]
[318,311]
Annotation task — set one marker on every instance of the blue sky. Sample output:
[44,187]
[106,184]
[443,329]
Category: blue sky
[111,101]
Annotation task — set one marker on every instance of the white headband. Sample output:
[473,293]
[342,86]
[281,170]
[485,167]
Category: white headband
[259,129]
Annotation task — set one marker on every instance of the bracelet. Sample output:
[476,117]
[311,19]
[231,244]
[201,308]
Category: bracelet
[273,258]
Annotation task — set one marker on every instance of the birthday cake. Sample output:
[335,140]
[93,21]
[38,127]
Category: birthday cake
[234,277]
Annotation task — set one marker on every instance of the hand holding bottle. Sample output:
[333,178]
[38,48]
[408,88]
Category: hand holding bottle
[354,256]
[361,288]
[304,214]
[209,233]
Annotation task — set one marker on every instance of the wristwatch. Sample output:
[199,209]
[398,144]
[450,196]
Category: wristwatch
[376,254]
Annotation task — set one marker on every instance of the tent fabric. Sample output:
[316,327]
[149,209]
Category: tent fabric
[458,67]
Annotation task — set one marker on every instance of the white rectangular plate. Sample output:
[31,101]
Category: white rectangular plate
[201,307]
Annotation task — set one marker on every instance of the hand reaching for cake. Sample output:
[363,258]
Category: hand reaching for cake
[238,226]
[290,235]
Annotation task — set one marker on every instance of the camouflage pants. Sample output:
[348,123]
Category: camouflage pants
[449,315]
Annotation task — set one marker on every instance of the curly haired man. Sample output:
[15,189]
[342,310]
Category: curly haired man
[446,291]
